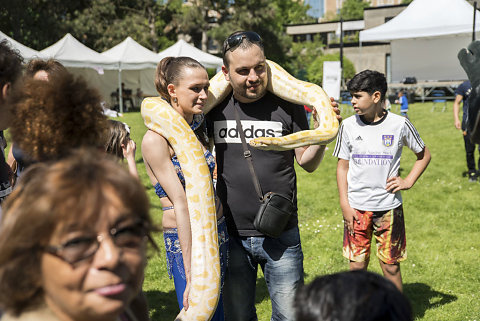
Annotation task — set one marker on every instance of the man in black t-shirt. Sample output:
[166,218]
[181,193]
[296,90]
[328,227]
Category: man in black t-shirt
[10,71]
[261,114]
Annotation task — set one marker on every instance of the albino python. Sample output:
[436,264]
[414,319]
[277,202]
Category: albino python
[161,118]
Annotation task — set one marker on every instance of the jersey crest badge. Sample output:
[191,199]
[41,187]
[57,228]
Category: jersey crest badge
[387,140]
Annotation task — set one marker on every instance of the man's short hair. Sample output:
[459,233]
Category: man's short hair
[244,44]
[10,63]
[369,81]
[351,296]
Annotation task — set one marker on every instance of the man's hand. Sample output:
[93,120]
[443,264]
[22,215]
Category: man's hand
[335,109]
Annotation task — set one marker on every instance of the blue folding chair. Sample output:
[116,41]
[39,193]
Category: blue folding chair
[439,93]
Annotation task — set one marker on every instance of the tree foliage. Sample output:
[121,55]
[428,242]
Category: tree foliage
[301,55]
[353,9]
[106,23]
[197,19]
[37,23]
[315,69]
[156,24]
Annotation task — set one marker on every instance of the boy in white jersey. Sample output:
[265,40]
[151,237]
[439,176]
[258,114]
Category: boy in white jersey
[369,146]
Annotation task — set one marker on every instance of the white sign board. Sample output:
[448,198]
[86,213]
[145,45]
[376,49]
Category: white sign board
[332,73]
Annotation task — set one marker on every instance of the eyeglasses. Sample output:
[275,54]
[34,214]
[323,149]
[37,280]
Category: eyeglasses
[80,248]
[235,40]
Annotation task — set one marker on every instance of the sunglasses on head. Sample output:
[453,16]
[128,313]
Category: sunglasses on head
[235,40]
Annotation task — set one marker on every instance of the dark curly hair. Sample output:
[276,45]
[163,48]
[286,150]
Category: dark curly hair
[50,66]
[10,63]
[53,117]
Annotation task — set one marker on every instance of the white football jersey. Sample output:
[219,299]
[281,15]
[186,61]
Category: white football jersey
[373,151]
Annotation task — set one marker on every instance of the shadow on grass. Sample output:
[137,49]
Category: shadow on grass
[423,297]
[163,304]
[165,307]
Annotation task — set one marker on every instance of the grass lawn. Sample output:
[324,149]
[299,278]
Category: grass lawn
[442,220]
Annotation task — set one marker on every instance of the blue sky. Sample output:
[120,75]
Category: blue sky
[317,9]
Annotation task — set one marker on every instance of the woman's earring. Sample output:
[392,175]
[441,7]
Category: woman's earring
[175,100]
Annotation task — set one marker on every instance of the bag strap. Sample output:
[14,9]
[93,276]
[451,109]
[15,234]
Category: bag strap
[248,155]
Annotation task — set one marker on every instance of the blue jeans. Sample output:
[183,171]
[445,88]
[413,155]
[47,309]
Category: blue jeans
[177,269]
[281,260]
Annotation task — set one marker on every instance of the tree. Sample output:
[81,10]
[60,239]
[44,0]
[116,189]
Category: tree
[106,23]
[262,17]
[38,23]
[292,12]
[315,69]
[198,18]
[353,9]
[301,55]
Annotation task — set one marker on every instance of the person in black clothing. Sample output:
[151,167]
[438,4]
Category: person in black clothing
[10,72]
[261,113]
[461,95]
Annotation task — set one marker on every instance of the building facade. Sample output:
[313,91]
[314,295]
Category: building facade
[369,55]
[327,9]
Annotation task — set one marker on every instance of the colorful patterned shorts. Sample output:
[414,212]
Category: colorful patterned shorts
[388,227]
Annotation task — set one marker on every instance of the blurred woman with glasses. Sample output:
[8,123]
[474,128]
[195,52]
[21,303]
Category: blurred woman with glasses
[73,242]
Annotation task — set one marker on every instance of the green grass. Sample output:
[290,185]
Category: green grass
[442,221]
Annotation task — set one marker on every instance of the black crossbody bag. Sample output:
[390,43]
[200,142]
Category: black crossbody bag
[275,209]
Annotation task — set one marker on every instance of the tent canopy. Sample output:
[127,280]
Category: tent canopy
[182,48]
[425,39]
[26,52]
[130,55]
[72,53]
[426,18]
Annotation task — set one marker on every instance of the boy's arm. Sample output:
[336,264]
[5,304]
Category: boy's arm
[456,109]
[395,184]
[349,215]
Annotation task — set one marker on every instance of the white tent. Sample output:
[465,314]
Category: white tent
[72,53]
[425,39]
[130,55]
[133,62]
[26,52]
[182,48]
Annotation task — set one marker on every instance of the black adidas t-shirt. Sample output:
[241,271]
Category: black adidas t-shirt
[272,117]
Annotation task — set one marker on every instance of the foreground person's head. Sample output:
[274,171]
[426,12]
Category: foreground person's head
[351,296]
[73,239]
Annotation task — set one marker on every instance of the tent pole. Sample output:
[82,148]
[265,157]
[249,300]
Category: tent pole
[474,18]
[120,95]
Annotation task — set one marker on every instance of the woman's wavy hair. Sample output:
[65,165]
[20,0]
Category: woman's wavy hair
[51,196]
[52,117]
